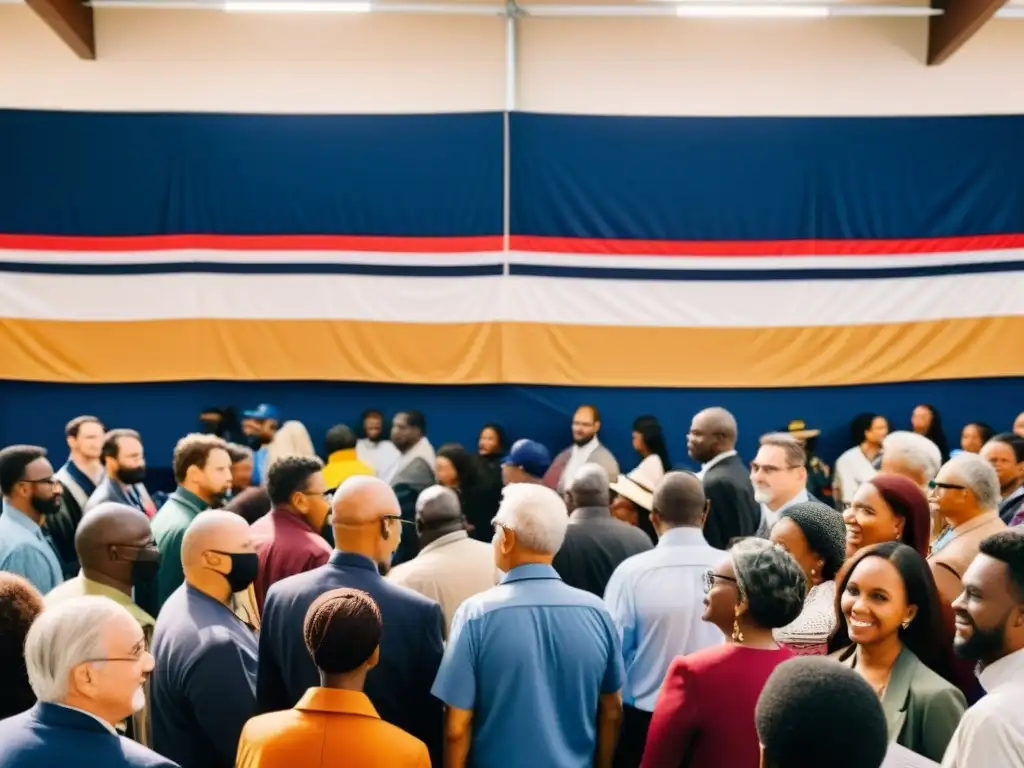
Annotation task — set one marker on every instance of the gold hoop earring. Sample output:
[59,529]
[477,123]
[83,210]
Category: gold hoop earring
[737,634]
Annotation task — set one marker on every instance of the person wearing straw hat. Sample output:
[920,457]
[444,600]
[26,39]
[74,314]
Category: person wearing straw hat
[819,474]
[634,498]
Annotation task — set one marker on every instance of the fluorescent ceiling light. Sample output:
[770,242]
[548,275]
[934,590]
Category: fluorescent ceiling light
[295,6]
[752,11]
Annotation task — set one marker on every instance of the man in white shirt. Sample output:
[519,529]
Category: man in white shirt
[373,448]
[990,630]
[779,476]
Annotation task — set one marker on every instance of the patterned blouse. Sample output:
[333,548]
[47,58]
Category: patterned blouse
[808,634]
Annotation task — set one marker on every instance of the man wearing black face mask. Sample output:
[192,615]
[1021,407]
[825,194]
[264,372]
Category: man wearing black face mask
[125,465]
[204,683]
[119,560]
[30,493]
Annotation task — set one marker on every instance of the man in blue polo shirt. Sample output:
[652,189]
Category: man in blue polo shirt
[534,648]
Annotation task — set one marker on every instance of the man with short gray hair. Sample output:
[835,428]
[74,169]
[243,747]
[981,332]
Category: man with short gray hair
[779,476]
[595,542]
[450,566]
[86,662]
[556,652]
[966,494]
[912,455]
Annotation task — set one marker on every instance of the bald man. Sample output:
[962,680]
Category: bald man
[734,511]
[595,542]
[119,558]
[204,686]
[367,526]
[656,600]
[450,566]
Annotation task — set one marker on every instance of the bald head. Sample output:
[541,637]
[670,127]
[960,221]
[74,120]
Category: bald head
[712,431]
[439,507]
[109,524]
[214,529]
[718,421]
[589,487]
[679,499]
[362,499]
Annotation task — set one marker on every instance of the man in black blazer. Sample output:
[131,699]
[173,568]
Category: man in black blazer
[734,512]
[367,527]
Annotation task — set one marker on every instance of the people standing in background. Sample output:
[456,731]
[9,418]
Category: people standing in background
[204,686]
[734,512]
[374,448]
[633,498]
[241,468]
[412,473]
[586,448]
[887,508]
[1018,425]
[456,469]
[450,566]
[819,474]
[342,461]
[531,647]
[649,442]
[656,600]
[913,456]
[78,477]
[527,462]
[491,445]
[119,562]
[251,504]
[1005,452]
[858,464]
[490,453]
[202,469]
[705,710]
[779,476]
[20,604]
[272,440]
[30,493]
[990,631]
[335,721]
[87,662]
[124,463]
[973,436]
[926,421]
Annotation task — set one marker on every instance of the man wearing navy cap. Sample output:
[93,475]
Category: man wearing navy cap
[525,463]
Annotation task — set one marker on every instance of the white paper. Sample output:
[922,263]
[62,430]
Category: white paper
[901,757]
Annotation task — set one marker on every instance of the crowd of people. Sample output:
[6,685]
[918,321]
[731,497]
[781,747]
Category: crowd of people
[397,605]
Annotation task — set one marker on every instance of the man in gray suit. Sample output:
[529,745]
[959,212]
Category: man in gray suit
[586,449]
[413,472]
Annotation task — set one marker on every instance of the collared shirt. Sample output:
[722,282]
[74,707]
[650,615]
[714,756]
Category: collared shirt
[325,725]
[717,460]
[531,656]
[204,682]
[769,518]
[449,569]
[382,455]
[578,456]
[991,734]
[169,526]
[26,551]
[286,545]
[852,470]
[656,600]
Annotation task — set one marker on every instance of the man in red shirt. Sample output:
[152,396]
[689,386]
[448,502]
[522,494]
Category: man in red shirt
[289,540]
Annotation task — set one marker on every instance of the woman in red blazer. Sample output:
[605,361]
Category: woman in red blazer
[704,717]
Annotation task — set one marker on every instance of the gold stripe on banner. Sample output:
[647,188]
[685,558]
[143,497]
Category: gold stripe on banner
[176,350]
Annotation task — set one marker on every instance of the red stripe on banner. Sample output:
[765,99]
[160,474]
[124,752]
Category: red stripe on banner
[610,247]
[253,243]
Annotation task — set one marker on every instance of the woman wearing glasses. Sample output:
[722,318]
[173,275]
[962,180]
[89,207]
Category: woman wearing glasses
[704,717]
[888,508]
[892,634]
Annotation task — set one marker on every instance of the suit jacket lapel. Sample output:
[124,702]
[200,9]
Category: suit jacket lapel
[897,692]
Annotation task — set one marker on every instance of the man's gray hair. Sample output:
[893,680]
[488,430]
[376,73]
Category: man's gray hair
[916,452]
[796,456]
[589,486]
[537,515]
[438,504]
[65,636]
[773,583]
[977,474]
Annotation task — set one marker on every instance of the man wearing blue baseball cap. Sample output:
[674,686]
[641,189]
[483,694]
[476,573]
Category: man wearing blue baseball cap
[271,440]
[525,463]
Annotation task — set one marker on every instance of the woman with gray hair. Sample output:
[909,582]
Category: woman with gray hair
[705,711]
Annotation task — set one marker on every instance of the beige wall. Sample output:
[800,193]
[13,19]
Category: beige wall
[207,61]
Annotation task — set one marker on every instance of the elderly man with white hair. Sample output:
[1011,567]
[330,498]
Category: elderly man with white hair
[86,661]
[966,494]
[533,671]
[912,455]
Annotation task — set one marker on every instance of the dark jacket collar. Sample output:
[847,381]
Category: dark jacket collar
[341,559]
[62,717]
[590,513]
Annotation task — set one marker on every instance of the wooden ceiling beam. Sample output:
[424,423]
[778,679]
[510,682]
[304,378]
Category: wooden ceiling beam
[960,20]
[72,20]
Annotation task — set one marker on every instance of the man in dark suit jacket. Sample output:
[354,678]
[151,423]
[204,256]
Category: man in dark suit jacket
[125,465]
[367,528]
[734,512]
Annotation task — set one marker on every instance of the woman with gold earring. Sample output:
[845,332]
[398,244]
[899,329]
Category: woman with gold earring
[704,717]
[890,631]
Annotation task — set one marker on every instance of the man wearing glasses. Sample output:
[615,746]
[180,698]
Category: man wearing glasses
[368,526]
[30,493]
[87,663]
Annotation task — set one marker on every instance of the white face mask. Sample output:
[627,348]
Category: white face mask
[138,699]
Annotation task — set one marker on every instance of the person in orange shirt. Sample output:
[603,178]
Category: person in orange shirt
[342,632]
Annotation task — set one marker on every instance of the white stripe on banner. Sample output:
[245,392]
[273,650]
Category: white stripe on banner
[640,303]
[254,257]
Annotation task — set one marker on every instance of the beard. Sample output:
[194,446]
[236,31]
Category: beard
[138,699]
[983,644]
[762,495]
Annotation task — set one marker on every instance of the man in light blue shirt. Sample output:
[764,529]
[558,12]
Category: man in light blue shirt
[656,600]
[30,492]
[533,668]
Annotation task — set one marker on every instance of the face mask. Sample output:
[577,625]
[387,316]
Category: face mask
[138,699]
[131,475]
[244,567]
[144,585]
[46,507]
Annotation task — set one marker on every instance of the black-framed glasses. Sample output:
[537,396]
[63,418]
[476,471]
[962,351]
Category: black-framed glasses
[51,481]
[769,469]
[327,496]
[399,518]
[140,649]
[710,577]
[933,484]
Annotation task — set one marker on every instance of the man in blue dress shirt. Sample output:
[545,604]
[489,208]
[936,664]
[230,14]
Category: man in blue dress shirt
[204,687]
[30,493]
[533,668]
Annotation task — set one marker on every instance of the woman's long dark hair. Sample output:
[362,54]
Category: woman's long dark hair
[500,432]
[927,635]
[650,430]
[465,468]
[935,432]
[860,424]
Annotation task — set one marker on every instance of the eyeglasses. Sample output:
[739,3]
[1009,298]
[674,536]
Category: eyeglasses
[325,495]
[710,577]
[140,649]
[53,482]
[946,486]
[768,469]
